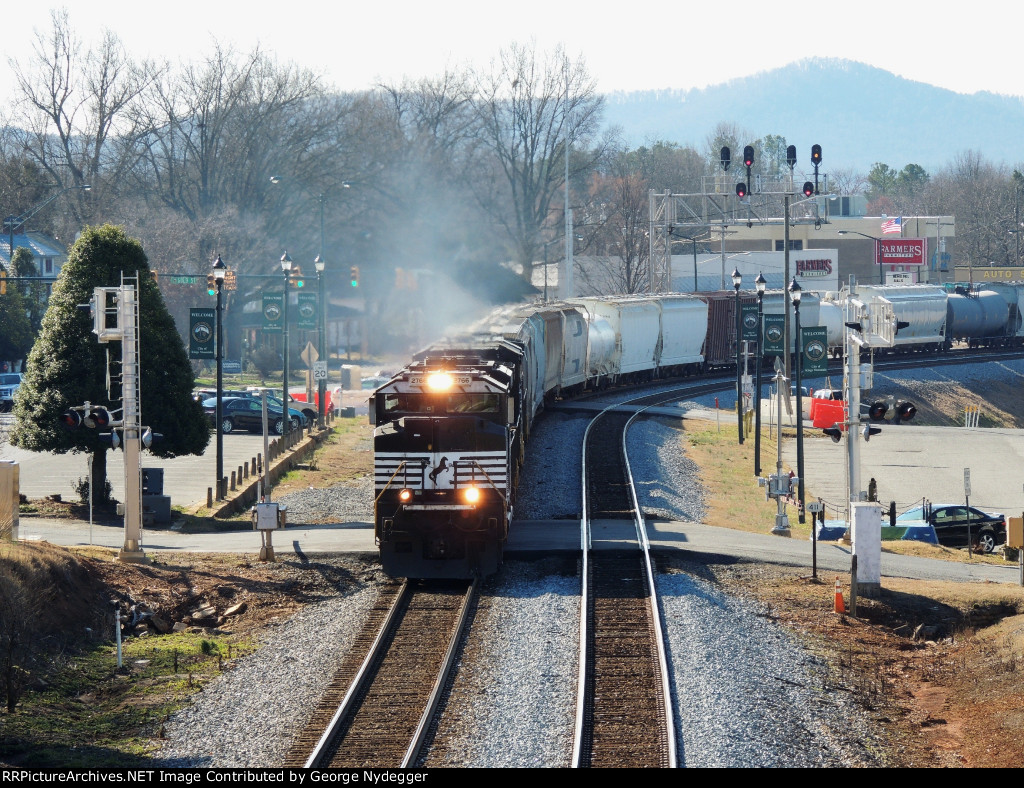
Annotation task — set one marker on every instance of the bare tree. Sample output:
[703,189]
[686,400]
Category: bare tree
[531,111]
[74,109]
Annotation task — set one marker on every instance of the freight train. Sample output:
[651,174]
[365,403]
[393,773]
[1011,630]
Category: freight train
[451,427]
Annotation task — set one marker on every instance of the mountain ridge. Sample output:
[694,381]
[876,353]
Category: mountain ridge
[859,114]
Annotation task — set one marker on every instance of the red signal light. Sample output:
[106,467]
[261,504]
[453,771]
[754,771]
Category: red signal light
[741,190]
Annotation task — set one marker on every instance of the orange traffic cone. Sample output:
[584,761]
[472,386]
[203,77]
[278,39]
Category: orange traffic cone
[840,607]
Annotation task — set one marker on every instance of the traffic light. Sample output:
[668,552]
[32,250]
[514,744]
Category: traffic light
[211,284]
[748,156]
[791,156]
[815,155]
[877,411]
[808,188]
[726,156]
[353,275]
[156,275]
[296,278]
[905,411]
[741,190]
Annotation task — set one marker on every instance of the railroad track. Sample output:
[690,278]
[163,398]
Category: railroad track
[376,714]
[624,716]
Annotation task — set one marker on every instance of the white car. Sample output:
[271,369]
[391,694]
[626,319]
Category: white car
[10,382]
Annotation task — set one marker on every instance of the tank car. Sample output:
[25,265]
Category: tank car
[1013,294]
[979,318]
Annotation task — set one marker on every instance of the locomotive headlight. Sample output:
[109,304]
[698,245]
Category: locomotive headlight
[405,495]
[471,494]
[439,381]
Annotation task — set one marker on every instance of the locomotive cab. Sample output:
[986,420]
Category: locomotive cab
[443,448]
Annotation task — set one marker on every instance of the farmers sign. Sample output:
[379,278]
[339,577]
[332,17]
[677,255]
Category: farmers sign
[901,251]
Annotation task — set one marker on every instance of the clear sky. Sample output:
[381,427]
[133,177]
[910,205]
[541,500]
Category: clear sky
[626,46]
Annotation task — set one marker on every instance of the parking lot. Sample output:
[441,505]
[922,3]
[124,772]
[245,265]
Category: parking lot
[911,463]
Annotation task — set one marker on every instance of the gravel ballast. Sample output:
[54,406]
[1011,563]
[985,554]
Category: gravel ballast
[746,693]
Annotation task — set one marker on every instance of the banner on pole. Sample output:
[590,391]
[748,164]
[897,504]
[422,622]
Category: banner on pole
[273,311]
[748,317]
[814,341]
[201,335]
[774,335]
[307,311]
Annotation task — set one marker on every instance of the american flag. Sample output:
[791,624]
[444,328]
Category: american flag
[893,226]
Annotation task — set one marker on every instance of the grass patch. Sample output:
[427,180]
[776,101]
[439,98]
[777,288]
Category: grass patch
[734,498]
[91,714]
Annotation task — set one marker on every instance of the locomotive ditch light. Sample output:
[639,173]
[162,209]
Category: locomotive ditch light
[405,495]
[471,494]
[439,381]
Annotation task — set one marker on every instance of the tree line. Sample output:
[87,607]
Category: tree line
[459,175]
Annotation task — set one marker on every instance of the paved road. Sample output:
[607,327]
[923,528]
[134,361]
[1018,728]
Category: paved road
[527,537]
[908,463]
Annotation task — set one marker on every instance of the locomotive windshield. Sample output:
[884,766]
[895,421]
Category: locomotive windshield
[396,404]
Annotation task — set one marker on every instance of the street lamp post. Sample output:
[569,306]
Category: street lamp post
[794,294]
[760,283]
[736,281]
[878,250]
[320,264]
[546,245]
[219,270]
[286,269]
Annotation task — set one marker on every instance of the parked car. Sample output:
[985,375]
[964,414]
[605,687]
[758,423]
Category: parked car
[950,521]
[307,411]
[246,413]
[10,382]
[201,395]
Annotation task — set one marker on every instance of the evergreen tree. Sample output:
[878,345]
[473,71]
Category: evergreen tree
[67,365]
[33,291]
[15,331]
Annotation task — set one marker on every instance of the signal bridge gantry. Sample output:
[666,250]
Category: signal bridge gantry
[718,205]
